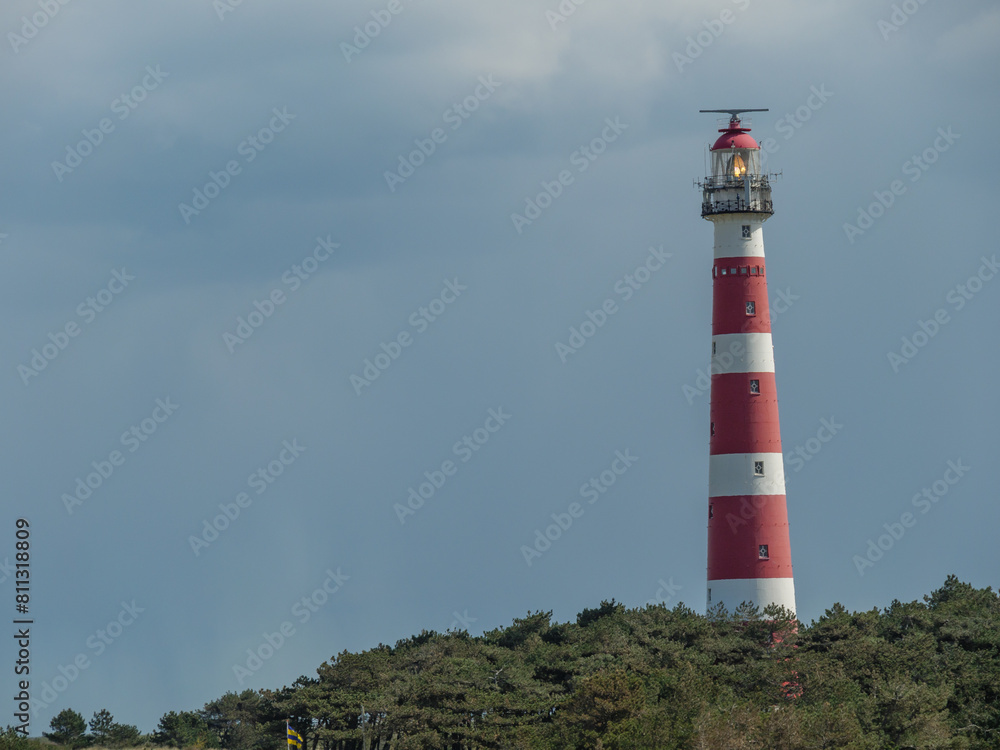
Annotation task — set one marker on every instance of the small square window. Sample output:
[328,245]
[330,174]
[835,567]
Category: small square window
[758,468]
[723,271]
[713,428]
[755,386]
[746,231]
[751,307]
[762,552]
[753,270]
[732,271]
[760,270]
[743,270]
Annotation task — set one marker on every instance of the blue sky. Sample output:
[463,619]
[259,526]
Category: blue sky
[357,190]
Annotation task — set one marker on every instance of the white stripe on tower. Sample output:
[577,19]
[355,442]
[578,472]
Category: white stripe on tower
[742,352]
[734,474]
[729,240]
[777,590]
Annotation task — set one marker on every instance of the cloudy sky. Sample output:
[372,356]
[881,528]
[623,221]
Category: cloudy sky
[270,267]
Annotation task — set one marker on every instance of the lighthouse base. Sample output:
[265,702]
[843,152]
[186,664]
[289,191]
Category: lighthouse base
[760,591]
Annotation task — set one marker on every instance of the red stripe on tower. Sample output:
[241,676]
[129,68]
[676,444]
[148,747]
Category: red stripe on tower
[749,554]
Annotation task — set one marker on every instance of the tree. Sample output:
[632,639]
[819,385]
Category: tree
[184,729]
[242,721]
[11,739]
[68,728]
[101,725]
[124,735]
[599,703]
[588,616]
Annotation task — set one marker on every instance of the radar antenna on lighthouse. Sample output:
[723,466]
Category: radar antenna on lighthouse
[735,113]
[749,553]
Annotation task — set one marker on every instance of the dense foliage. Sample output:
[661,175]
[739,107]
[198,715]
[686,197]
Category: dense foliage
[917,675]
[69,729]
[11,739]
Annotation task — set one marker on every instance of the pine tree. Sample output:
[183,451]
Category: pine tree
[68,728]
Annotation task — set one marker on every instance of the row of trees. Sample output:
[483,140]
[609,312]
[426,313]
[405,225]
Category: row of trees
[69,729]
[241,721]
[915,675]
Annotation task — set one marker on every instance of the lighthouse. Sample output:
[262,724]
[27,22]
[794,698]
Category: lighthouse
[749,554]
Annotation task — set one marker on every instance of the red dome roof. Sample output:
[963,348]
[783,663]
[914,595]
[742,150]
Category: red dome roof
[735,138]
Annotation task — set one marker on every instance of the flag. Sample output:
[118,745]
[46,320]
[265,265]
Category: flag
[294,738]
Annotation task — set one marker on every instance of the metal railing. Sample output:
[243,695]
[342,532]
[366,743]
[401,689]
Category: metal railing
[736,206]
[729,181]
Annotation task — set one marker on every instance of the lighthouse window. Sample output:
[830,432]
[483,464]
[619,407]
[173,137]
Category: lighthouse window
[754,386]
[751,307]
[753,270]
[713,428]
[711,512]
[762,552]
[723,271]
[713,348]
[710,596]
[743,270]
[746,231]
[758,468]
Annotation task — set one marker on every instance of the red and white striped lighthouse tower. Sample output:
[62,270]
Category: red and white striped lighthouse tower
[749,555]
